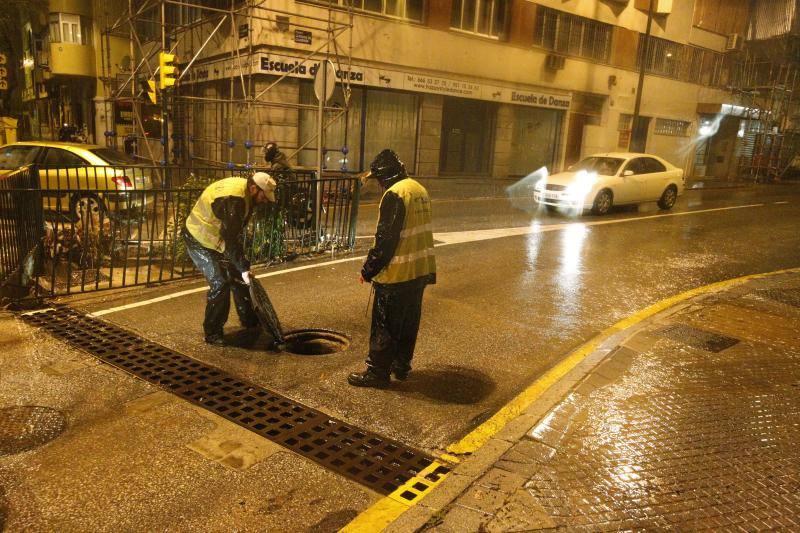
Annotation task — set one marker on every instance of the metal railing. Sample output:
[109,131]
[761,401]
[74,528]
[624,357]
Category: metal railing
[21,227]
[113,226]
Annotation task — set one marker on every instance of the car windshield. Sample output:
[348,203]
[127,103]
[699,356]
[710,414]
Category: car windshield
[13,157]
[605,166]
[113,157]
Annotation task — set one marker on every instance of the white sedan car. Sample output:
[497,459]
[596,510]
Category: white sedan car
[618,178]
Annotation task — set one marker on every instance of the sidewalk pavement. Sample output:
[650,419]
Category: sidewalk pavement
[689,421]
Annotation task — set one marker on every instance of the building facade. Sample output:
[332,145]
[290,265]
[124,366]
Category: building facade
[487,88]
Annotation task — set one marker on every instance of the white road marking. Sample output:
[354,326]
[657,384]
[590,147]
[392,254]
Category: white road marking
[781,203]
[444,239]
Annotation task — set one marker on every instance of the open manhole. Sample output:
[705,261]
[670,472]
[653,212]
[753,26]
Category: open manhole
[27,426]
[314,342]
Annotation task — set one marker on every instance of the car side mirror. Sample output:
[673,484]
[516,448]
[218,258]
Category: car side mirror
[628,173]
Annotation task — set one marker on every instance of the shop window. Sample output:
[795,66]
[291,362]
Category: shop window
[342,139]
[535,138]
[674,128]
[485,17]
[573,35]
[467,127]
[391,122]
[67,28]
[376,119]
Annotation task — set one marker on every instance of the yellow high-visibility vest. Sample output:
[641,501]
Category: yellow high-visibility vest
[202,223]
[414,257]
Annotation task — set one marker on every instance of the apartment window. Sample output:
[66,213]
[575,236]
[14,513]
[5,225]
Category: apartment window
[404,9]
[663,56]
[624,127]
[67,28]
[485,17]
[572,35]
[674,128]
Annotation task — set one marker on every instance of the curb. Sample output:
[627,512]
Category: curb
[484,446]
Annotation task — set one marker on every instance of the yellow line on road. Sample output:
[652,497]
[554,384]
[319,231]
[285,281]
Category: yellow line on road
[388,509]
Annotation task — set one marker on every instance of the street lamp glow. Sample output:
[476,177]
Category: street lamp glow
[27,62]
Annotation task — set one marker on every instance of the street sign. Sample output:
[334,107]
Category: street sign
[302,36]
[330,82]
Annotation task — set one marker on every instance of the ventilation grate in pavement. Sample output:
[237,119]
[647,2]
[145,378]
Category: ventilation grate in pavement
[784,296]
[698,338]
[384,465]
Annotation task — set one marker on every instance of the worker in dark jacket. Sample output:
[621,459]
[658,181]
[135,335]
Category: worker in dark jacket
[214,240]
[400,265]
[275,159]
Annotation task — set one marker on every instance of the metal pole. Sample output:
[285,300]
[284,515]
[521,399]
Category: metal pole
[164,117]
[320,128]
[637,144]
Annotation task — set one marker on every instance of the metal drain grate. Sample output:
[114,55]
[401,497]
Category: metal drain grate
[698,338]
[784,296]
[382,464]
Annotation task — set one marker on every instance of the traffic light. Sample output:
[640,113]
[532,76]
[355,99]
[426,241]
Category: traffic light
[168,72]
[3,73]
[151,91]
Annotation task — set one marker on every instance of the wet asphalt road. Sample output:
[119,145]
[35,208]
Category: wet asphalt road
[504,310]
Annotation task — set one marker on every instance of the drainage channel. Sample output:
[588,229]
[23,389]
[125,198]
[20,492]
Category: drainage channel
[381,464]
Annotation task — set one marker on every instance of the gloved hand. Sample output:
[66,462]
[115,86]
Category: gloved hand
[246,278]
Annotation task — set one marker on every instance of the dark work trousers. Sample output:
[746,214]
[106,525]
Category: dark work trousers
[220,275]
[395,322]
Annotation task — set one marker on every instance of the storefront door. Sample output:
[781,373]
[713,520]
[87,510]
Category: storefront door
[467,127]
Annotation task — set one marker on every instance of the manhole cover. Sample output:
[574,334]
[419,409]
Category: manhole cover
[28,426]
[314,342]
[698,338]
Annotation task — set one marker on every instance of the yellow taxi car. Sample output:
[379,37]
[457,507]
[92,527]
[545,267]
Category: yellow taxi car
[79,178]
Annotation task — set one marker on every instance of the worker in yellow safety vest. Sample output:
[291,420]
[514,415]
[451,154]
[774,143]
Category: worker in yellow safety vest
[400,265]
[214,240]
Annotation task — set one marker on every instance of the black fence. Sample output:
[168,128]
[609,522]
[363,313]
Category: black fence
[102,227]
[21,226]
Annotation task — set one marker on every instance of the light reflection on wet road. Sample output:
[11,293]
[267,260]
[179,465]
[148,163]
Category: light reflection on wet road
[503,311]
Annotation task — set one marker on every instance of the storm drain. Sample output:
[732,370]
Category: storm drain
[784,296]
[698,338]
[314,342]
[384,465]
[25,427]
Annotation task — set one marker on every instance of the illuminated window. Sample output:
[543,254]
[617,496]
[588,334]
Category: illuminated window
[66,28]
[572,35]
[486,17]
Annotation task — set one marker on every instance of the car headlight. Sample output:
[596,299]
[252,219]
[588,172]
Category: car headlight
[582,185]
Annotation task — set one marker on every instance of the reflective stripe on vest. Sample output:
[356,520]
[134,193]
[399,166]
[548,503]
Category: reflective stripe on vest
[414,257]
[202,223]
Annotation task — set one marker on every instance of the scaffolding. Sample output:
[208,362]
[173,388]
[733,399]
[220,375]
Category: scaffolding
[765,85]
[225,106]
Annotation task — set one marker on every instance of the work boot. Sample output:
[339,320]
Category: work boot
[216,339]
[368,379]
[400,372]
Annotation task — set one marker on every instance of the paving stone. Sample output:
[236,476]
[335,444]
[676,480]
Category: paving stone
[501,480]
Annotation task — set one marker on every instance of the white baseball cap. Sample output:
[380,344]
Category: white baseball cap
[266,183]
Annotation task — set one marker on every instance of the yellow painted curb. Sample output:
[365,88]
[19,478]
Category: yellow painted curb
[387,510]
